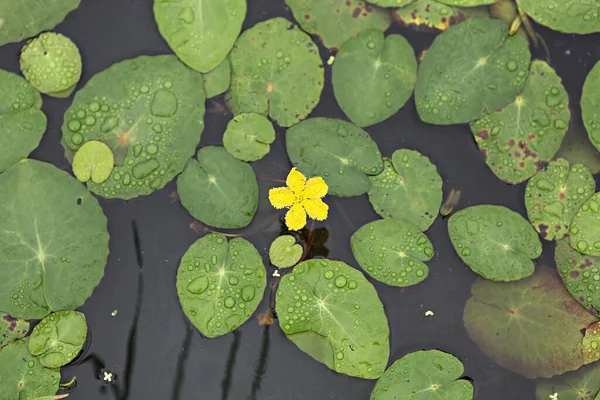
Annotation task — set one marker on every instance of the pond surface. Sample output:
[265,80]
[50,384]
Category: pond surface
[150,346]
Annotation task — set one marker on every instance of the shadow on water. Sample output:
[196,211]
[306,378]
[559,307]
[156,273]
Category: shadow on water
[226,383]
[181,361]
[261,365]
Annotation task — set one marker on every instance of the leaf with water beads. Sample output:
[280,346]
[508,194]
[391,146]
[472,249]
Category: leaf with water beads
[58,338]
[249,136]
[590,105]
[460,78]
[582,384]
[220,283]
[149,110]
[392,251]
[495,242]
[567,16]
[217,81]
[336,21]
[585,228]
[424,375]
[285,252]
[53,241]
[340,152]
[391,3]
[428,13]
[332,313]
[12,329]
[467,3]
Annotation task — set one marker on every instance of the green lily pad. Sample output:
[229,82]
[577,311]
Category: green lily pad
[467,3]
[336,21]
[220,283]
[26,18]
[409,188]
[149,110]
[53,241]
[343,324]
[22,376]
[218,189]
[519,139]
[495,242]
[201,33]
[341,153]
[471,69]
[94,160]
[58,338]
[217,81]
[374,76]
[567,16]
[12,329]
[581,274]
[585,228]
[52,64]
[590,105]
[285,252]
[248,137]
[554,195]
[276,71]
[424,375]
[22,122]
[429,14]
[391,3]
[532,326]
[582,384]
[392,251]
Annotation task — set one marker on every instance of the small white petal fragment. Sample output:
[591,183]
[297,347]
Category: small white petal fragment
[330,60]
[276,273]
[429,313]
[554,396]
[114,313]
[108,377]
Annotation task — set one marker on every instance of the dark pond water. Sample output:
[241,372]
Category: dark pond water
[156,354]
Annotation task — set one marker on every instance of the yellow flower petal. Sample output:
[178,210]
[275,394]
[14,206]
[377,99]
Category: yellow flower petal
[316,188]
[295,219]
[281,197]
[296,181]
[316,209]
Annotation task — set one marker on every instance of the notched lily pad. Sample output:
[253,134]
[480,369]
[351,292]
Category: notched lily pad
[217,81]
[472,68]
[276,72]
[532,326]
[12,329]
[585,229]
[340,152]
[590,105]
[58,338]
[94,160]
[249,136]
[374,76]
[582,384]
[285,252]
[392,251]
[519,139]
[554,195]
[409,188]
[567,16]
[336,21]
[343,325]
[220,283]
[495,242]
[424,375]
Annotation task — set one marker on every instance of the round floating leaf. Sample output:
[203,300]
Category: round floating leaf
[12,329]
[590,105]
[374,76]
[473,68]
[338,151]
[94,160]
[567,16]
[428,13]
[248,137]
[336,21]
[218,189]
[532,326]
[22,123]
[285,252]
[52,63]
[467,3]
[58,338]
[53,241]
[201,33]
[217,81]
[26,18]
[391,3]
[220,284]
[581,274]
[585,228]
[582,384]
[424,375]
[409,188]
[519,139]
[343,325]
[149,111]
[276,71]
[554,195]
[495,242]
[22,376]
[392,251]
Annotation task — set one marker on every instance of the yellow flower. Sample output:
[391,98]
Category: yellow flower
[301,197]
